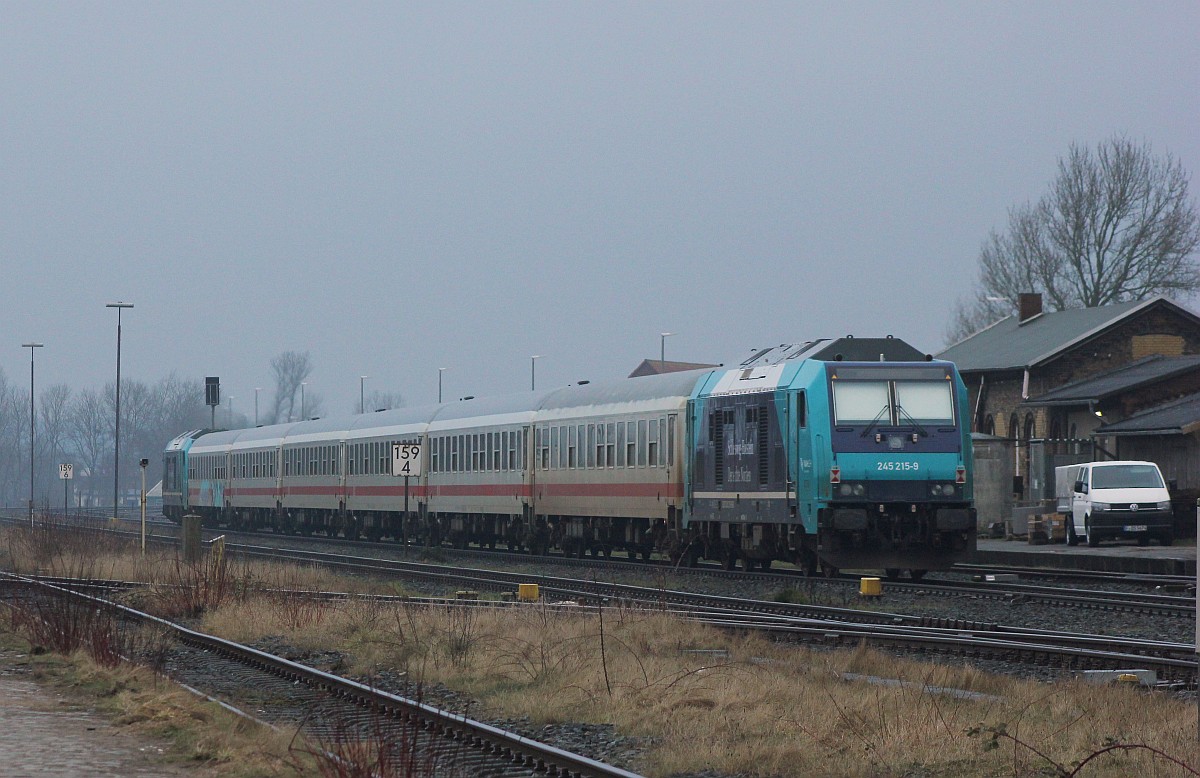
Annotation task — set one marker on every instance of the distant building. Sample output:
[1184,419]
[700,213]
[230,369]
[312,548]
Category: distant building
[659,366]
[1013,367]
[1119,380]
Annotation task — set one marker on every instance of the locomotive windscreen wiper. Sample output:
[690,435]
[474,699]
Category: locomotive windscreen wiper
[886,409]
[916,426]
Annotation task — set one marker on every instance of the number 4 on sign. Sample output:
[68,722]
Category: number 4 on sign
[406,459]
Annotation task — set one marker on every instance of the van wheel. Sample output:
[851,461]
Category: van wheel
[1072,538]
[1092,540]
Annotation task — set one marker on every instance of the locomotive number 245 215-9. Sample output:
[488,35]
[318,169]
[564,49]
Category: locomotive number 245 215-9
[897,466]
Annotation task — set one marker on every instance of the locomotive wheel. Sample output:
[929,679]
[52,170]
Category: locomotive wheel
[917,575]
[892,573]
[828,570]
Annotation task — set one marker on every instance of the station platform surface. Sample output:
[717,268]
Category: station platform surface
[1115,556]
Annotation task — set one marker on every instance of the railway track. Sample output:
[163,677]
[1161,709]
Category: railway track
[334,706]
[1173,663]
[1175,596]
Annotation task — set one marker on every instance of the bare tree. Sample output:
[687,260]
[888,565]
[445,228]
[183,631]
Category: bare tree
[1117,224]
[382,401]
[289,370]
[91,435]
[53,412]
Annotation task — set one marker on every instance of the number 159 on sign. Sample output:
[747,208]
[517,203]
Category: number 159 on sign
[406,459]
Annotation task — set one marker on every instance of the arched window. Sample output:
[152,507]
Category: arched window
[1029,427]
[989,425]
[1013,426]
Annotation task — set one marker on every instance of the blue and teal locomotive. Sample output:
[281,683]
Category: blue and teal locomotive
[851,453]
[854,453]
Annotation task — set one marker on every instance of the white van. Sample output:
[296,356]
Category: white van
[1115,500]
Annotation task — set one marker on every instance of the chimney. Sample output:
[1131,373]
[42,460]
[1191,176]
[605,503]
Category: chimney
[1029,304]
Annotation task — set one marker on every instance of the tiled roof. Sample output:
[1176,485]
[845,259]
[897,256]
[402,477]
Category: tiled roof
[1009,344]
[1179,417]
[1144,372]
[659,367]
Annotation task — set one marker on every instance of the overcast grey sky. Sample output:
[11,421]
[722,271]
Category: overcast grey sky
[399,187]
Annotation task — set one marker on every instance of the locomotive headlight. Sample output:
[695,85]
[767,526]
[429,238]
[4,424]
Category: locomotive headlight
[845,490]
[859,490]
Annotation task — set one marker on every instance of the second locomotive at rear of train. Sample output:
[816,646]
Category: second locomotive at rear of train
[853,453]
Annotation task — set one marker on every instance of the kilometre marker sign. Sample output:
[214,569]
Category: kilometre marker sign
[406,459]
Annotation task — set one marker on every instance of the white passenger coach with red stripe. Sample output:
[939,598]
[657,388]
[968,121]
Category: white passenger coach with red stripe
[585,467]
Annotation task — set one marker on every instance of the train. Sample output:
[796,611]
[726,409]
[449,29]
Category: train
[830,454]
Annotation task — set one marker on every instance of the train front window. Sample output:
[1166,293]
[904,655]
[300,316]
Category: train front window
[925,402]
[861,402]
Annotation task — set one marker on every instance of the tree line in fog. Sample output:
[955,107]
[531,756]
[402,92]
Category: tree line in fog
[76,427]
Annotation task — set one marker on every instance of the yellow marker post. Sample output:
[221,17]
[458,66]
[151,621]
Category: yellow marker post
[528,592]
[870,587]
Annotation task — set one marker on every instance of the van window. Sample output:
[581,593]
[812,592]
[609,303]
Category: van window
[1126,477]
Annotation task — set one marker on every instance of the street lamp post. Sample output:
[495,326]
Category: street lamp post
[533,372]
[302,385]
[662,349]
[440,371]
[117,429]
[362,381]
[230,398]
[257,389]
[32,424]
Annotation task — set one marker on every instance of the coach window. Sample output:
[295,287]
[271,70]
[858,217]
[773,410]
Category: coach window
[591,445]
[641,442]
[652,448]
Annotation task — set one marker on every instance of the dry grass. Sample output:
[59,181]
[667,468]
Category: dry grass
[742,704]
[711,701]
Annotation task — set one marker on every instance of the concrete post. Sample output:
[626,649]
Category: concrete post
[191,538]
